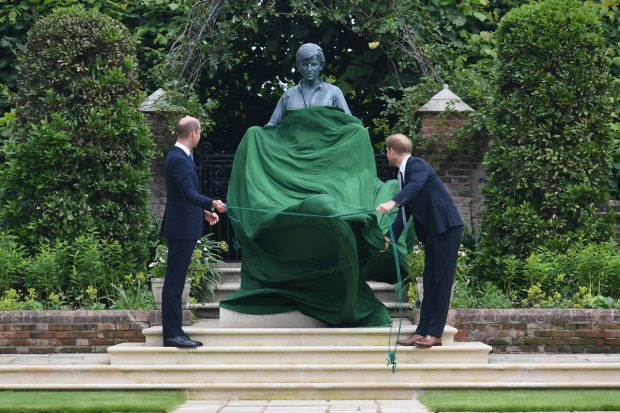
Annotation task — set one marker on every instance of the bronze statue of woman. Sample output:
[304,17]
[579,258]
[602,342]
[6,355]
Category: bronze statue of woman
[305,186]
[311,90]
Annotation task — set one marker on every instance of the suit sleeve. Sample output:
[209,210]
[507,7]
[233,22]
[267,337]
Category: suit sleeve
[398,226]
[417,175]
[182,177]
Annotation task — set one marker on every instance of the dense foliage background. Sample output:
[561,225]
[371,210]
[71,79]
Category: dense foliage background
[79,156]
[76,121]
[549,157]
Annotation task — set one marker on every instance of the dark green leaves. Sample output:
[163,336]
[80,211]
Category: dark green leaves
[549,158]
[79,158]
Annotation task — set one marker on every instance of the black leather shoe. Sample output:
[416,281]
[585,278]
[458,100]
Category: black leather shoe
[180,342]
[185,336]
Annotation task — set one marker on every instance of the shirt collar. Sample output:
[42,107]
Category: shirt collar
[183,148]
[319,85]
[403,165]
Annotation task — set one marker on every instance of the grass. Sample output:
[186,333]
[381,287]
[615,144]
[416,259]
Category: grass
[89,401]
[521,400]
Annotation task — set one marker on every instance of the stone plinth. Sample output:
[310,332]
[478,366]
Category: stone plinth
[292,319]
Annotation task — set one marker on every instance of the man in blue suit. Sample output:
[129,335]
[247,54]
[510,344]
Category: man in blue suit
[186,210]
[438,226]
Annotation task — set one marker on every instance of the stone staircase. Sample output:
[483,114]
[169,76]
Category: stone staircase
[304,363]
[231,280]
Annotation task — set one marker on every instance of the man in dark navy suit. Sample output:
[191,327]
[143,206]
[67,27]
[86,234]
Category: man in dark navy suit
[186,210]
[438,226]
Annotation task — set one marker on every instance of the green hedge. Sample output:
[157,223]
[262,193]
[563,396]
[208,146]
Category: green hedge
[548,161]
[79,158]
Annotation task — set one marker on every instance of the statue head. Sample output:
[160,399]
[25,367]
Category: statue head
[309,60]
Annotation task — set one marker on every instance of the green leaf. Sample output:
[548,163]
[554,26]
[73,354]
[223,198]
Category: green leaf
[480,16]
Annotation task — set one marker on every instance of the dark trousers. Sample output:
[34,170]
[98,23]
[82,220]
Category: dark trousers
[179,256]
[439,266]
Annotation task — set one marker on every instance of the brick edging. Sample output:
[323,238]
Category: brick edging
[540,330]
[507,331]
[78,331]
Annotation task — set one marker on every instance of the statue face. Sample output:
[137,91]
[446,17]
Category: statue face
[310,68]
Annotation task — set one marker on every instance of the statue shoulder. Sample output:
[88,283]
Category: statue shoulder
[291,89]
[334,89]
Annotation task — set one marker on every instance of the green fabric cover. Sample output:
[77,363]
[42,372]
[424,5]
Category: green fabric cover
[318,161]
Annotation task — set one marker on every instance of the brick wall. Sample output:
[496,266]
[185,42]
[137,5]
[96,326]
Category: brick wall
[540,330]
[463,178]
[163,138]
[78,331]
[508,331]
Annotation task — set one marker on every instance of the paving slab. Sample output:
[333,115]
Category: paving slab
[236,403]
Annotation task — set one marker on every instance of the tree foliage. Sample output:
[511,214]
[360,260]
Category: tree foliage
[548,163]
[79,157]
[154,24]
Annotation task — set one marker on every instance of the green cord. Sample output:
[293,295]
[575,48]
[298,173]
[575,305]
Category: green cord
[399,302]
[391,360]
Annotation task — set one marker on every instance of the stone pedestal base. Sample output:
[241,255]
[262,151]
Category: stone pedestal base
[292,319]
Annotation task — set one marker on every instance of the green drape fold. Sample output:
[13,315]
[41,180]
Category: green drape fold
[319,162]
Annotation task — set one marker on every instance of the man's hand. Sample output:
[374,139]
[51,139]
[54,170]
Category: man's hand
[211,217]
[386,206]
[219,205]
[388,241]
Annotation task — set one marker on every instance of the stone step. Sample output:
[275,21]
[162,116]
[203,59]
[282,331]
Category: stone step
[230,275]
[231,280]
[212,310]
[224,289]
[140,354]
[214,336]
[383,291]
[206,310]
[340,381]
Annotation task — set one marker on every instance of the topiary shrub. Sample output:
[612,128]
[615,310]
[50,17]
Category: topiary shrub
[79,160]
[548,162]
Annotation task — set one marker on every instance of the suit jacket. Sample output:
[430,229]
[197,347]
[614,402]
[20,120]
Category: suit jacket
[424,197]
[185,205]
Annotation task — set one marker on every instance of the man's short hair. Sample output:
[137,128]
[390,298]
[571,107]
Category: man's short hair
[307,50]
[186,126]
[399,143]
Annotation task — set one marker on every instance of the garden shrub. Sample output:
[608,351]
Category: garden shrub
[79,159]
[81,272]
[586,275]
[548,162]
[12,262]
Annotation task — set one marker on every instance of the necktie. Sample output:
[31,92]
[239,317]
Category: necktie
[191,155]
[401,183]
